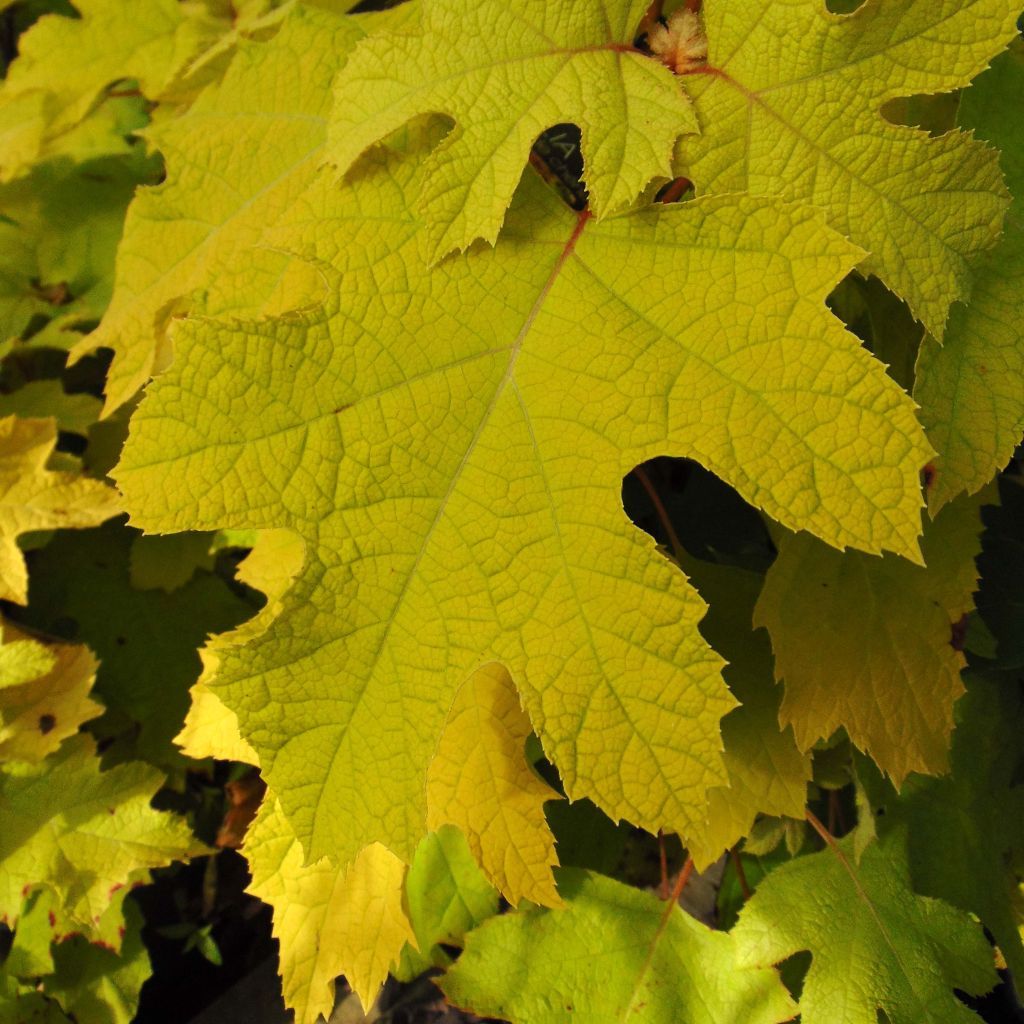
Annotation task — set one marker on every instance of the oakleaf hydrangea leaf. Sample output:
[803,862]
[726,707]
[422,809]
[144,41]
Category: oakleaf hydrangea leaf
[451,444]
[969,389]
[961,828]
[479,780]
[175,232]
[83,832]
[875,944]
[328,921]
[789,104]
[505,73]
[35,498]
[866,643]
[613,953]
[768,774]
[44,694]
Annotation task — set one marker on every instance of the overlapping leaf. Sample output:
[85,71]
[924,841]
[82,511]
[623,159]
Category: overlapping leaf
[866,643]
[505,73]
[479,781]
[789,105]
[451,444]
[876,945]
[613,954]
[972,404]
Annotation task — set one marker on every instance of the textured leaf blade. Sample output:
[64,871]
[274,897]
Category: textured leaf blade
[505,73]
[560,358]
[613,953]
[789,105]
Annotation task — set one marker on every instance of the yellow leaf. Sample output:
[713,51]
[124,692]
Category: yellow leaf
[34,498]
[328,921]
[480,781]
[44,694]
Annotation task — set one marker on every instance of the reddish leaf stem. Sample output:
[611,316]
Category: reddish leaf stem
[659,507]
[741,875]
[681,880]
[663,859]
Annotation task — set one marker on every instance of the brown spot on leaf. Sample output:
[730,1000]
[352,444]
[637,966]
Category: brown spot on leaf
[958,633]
[53,919]
[46,723]
[928,475]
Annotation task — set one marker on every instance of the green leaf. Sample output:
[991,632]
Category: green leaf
[866,643]
[447,895]
[379,451]
[876,945]
[613,953]
[505,73]
[147,641]
[83,832]
[789,104]
[1001,563]
[972,405]
[177,232]
[960,828]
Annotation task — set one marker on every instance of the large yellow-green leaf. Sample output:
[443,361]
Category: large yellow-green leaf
[214,202]
[506,72]
[451,446]
[35,498]
[480,781]
[328,921]
[969,388]
[613,954]
[789,104]
[84,832]
[876,945]
[866,643]
[44,694]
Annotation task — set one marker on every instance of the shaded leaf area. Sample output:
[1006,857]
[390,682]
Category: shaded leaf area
[1001,596]
[962,829]
[148,649]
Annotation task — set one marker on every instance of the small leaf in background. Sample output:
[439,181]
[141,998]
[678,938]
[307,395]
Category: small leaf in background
[44,694]
[35,498]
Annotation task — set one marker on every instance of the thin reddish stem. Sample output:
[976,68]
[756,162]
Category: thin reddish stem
[830,840]
[675,189]
[663,858]
[681,880]
[741,875]
[659,507]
